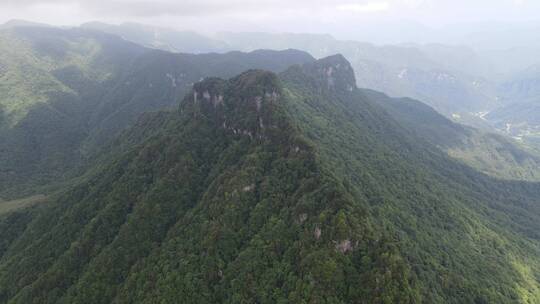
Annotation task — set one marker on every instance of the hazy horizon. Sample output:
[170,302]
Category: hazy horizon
[380,22]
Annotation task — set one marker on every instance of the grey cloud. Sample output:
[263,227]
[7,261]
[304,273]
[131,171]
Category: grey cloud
[345,17]
[146,8]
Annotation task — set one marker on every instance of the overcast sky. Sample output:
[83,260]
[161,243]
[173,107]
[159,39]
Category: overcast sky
[342,18]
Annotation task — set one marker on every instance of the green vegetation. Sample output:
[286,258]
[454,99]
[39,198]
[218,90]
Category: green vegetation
[497,156]
[462,232]
[297,188]
[10,206]
[242,212]
[50,80]
[490,153]
[32,63]
[65,94]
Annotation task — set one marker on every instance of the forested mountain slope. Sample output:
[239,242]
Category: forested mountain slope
[102,84]
[65,93]
[468,237]
[478,88]
[490,153]
[50,80]
[267,189]
[451,79]
[224,203]
[493,89]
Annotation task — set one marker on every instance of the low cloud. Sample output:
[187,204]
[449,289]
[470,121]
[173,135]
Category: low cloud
[149,8]
[343,18]
[363,8]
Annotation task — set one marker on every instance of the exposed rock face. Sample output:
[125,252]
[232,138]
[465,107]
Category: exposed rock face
[333,73]
[317,233]
[248,188]
[302,218]
[244,105]
[344,246]
[209,91]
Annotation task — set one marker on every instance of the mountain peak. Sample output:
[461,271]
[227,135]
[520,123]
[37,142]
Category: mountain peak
[252,86]
[337,72]
[333,73]
[244,105]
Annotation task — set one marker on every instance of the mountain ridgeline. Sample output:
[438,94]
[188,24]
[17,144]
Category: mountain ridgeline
[67,93]
[294,187]
[490,153]
[225,203]
[493,90]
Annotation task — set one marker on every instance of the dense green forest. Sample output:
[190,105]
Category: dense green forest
[490,153]
[265,188]
[65,93]
[467,237]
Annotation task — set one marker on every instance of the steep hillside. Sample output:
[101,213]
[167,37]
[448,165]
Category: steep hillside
[468,238]
[265,189]
[453,80]
[65,93]
[224,203]
[158,80]
[490,153]
[50,80]
[457,81]
[44,65]
[465,85]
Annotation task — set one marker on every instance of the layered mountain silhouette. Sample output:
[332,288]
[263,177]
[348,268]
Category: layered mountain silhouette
[67,93]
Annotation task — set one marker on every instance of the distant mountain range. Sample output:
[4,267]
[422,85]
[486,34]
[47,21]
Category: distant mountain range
[161,38]
[520,116]
[67,92]
[462,83]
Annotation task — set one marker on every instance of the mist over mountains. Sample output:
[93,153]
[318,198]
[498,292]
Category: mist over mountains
[462,82]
